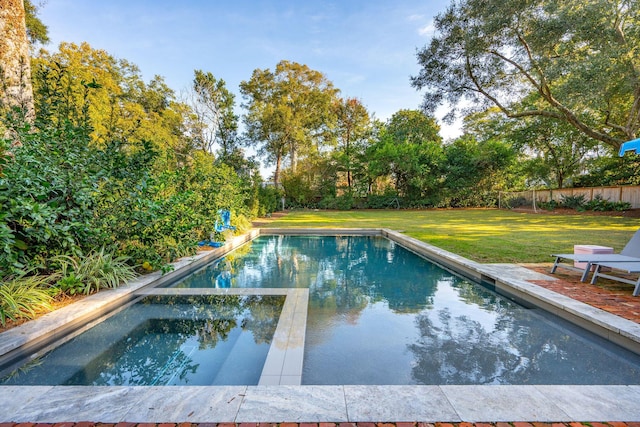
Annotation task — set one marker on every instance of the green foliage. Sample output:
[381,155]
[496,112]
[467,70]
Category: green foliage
[36,30]
[89,273]
[217,124]
[47,192]
[387,200]
[23,297]
[573,202]
[352,130]
[609,171]
[598,203]
[85,175]
[515,202]
[409,150]
[549,205]
[343,202]
[475,171]
[268,199]
[289,112]
[573,61]
[298,189]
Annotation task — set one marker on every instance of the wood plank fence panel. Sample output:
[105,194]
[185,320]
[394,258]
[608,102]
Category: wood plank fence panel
[629,194]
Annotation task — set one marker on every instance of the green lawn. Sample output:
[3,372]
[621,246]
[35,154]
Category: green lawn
[483,235]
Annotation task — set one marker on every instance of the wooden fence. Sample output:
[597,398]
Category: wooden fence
[629,194]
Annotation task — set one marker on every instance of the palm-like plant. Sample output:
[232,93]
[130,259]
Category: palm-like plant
[23,297]
[97,270]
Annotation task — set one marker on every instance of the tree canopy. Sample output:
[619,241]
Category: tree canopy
[287,110]
[574,61]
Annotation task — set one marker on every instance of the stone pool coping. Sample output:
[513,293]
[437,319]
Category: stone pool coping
[280,403]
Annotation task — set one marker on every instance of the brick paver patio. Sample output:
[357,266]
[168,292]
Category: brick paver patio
[607,295]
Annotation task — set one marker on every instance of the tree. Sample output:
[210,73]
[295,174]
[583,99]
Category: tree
[106,96]
[15,69]
[353,126]
[551,151]
[409,150]
[213,106]
[559,151]
[36,30]
[577,58]
[474,171]
[289,111]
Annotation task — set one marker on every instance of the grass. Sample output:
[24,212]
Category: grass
[483,235]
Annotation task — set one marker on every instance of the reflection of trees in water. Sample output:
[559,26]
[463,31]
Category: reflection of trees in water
[211,317]
[515,349]
[161,344]
[166,345]
[152,354]
[219,273]
[342,272]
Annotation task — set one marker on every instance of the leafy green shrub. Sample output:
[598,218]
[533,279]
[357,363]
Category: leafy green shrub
[516,202]
[601,205]
[268,200]
[47,192]
[550,205]
[22,297]
[97,270]
[573,202]
[389,199]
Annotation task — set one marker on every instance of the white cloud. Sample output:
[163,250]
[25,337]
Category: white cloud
[415,17]
[427,29]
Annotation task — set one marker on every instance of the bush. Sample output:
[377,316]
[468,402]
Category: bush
[22,297]
[268,200]
[601,205]
[516,202]
[550,205]
[389,199]
[47,195]
[573,202]
[90,273]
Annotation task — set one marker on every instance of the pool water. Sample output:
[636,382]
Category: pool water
[379,314]
[165,340]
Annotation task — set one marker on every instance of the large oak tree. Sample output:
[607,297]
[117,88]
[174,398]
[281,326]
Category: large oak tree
[579,58]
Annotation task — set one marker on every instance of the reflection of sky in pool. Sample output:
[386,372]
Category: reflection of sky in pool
[166,340]
[378,314]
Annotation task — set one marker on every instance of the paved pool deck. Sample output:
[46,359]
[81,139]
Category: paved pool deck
[366,424]
[305,406]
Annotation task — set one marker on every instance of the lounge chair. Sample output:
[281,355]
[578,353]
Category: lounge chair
[225,221]
[630,253]
[628,267]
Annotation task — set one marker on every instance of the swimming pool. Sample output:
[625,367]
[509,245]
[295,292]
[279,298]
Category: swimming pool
[379,314]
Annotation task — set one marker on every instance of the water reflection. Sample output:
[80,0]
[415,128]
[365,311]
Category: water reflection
[167,340]
[518,346]
[378,314]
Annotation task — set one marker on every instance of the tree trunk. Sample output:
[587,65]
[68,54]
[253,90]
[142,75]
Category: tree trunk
[15,71]
[294,157]
[276,173]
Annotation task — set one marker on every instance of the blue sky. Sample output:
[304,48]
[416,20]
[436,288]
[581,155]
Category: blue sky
[366,48]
